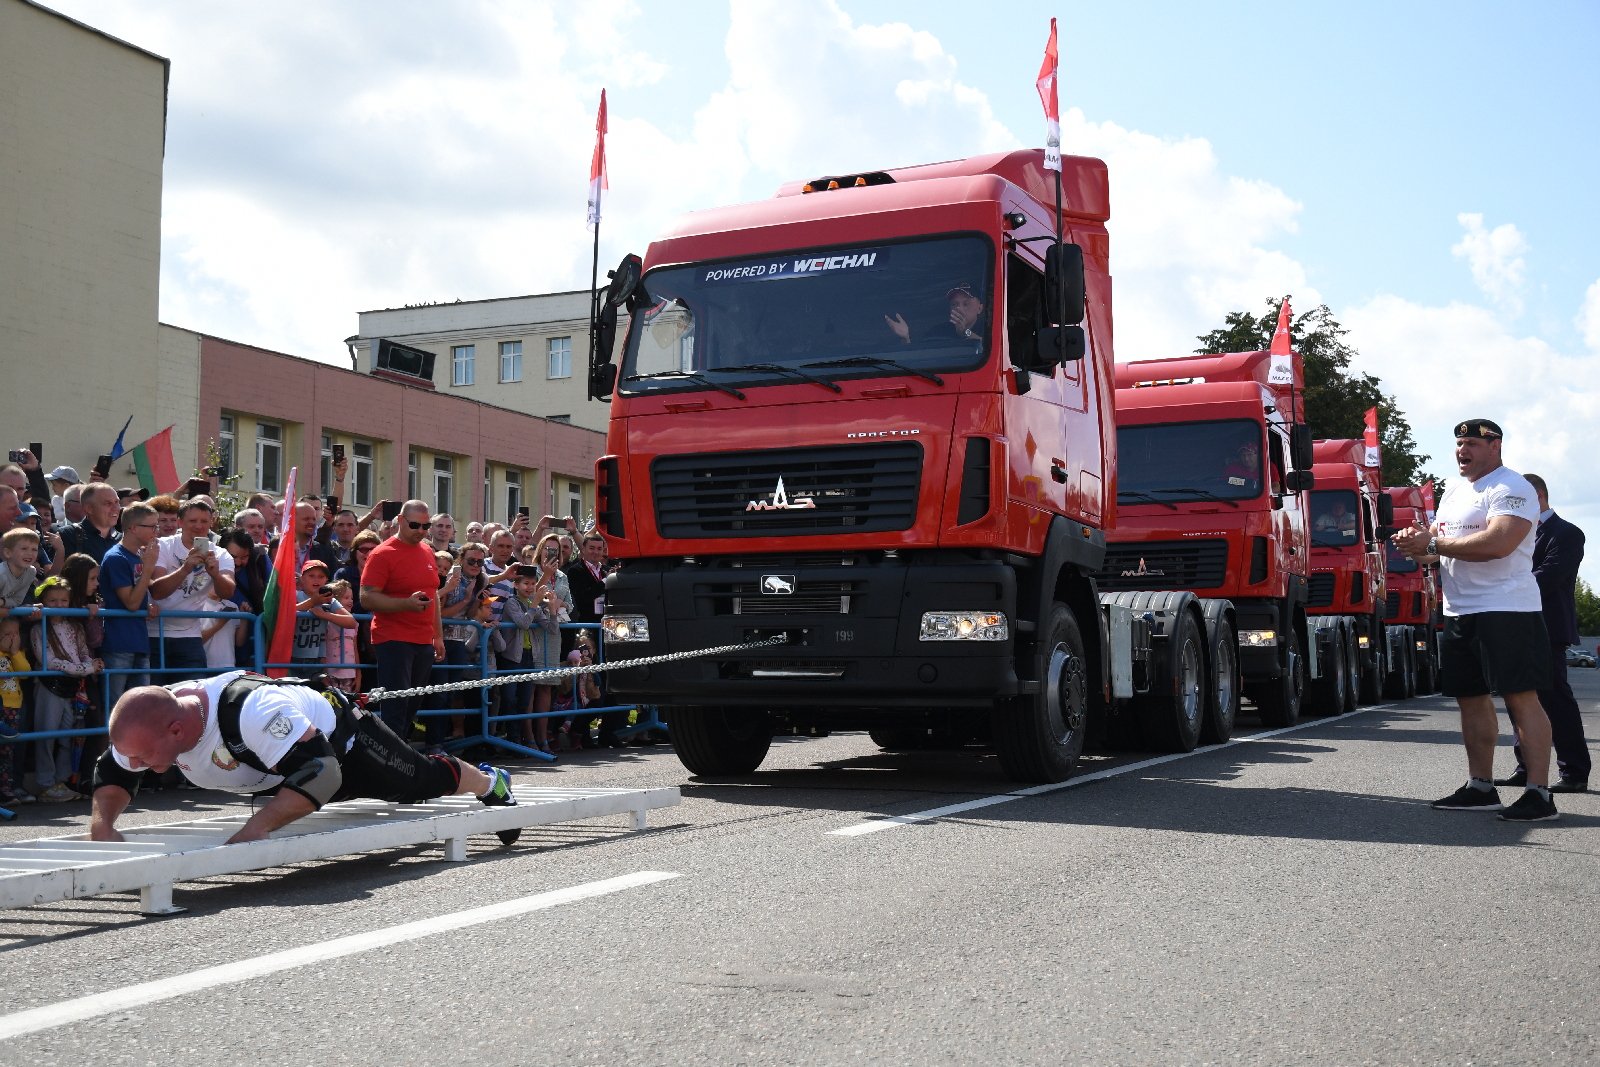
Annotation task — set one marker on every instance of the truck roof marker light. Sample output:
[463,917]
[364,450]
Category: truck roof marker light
[807,188]
[860,180]
[833,184]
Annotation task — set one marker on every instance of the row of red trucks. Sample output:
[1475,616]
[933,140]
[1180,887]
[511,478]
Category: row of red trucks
[878,416]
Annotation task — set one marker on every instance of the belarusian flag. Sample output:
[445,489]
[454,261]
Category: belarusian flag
[278,606]
[1281,372]
[153,460]
[1049,98]
[597,165]
[1371,436]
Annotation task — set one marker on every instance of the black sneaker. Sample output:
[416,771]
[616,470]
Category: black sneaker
[1470,798]
[1531,807]
[1518,777]
[499,794]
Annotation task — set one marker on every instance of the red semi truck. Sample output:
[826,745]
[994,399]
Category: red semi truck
[1412,603]
[874,415]
[1351,519]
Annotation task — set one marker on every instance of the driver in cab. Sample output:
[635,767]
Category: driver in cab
[1336,520]
[1245,470]
[965,322]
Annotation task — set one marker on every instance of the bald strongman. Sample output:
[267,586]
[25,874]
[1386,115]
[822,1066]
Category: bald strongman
[249,734]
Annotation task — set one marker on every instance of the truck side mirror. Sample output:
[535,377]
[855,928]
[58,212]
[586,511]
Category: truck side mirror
[1299,481]
[602,380]
[1063,284]
[624,280]
[1059,344]
[1386,532]
[1300,450]
[1385,509]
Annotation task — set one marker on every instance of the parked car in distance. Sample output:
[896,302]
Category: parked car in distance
[1581,657]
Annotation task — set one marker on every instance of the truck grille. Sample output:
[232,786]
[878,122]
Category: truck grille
[1200,564]
[851,489]
[1391,606]
[1320,590]
[809,598]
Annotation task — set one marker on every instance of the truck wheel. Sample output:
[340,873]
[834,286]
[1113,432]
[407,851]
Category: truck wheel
[1352,668]
[1279,698]
[1222,694]
[896,738]
[718,741]
[1399,684]
[1330,692]
[1039,737]
[1427,673]
[1171,713]
[1372,677]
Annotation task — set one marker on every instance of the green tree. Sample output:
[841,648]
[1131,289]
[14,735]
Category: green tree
[1336,398]
[1588,608]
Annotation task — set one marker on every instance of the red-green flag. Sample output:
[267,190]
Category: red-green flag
[153,460]
[278,606]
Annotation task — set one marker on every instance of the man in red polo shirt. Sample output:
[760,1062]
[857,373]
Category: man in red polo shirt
[400,586]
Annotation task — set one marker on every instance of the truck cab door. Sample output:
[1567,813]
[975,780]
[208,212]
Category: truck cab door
[1041,469]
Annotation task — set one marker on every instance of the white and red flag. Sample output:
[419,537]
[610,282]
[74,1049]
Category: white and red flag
[1427,499]
[1281,372]
[1371,437]
[1052,107]
[597,166]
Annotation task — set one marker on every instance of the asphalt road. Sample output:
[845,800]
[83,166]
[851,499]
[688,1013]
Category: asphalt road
[1288,900]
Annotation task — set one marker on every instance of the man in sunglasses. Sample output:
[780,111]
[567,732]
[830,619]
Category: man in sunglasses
[399,585]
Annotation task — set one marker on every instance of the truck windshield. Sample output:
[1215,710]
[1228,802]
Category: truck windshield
[1193,460]
[1398,563]
[860,311]
[1335,520]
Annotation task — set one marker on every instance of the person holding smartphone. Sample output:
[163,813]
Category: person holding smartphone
[399,585]
[190,569]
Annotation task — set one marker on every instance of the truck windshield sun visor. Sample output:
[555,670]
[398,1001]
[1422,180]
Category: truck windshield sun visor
[910,307]
[1201,461]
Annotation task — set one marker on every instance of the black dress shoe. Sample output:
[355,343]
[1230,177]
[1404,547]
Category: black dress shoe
[1518,777]
[1570,785]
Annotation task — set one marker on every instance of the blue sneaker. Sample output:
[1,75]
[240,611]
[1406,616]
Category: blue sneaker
[7,731]
[499,794]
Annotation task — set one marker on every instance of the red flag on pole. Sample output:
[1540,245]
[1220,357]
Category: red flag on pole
[278,606]
[1427,499]
[1371,437]
[1281,372]
[1049,98]
[597,165]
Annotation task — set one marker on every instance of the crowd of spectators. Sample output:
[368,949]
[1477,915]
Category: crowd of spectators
[81,543]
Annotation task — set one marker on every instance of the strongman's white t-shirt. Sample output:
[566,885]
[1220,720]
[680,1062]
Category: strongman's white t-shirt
[272,719]
[1498,584]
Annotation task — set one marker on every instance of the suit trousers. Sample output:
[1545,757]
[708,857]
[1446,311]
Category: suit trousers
[1566,723]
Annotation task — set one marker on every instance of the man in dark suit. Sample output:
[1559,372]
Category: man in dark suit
[1557,552]
[586,578]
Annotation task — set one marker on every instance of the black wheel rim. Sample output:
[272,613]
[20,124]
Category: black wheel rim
[1065,696]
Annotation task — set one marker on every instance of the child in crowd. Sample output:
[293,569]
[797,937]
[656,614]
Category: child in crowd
[21,549]
[310,646]
[574,732]
[520,650]
[11,659]
[68,645]
[82,575]
[221,636]
[341,642]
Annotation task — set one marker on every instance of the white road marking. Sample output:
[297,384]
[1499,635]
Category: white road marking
[33,1020]
[890,823]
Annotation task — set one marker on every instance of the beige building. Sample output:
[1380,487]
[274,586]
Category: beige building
[528,353]
[82,136]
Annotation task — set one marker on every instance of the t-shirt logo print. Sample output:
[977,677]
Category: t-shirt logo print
[1516,501]
[223,758]
[279,727]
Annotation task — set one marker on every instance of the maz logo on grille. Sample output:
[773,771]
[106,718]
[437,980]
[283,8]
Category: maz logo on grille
[777,584]
[1141,572]
[781,501]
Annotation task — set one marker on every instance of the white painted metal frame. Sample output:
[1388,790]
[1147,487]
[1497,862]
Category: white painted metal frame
[153,857]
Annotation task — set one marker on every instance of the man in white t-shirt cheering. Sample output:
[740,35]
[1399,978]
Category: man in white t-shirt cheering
[1494,634]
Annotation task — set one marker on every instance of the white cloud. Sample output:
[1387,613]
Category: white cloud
[1495,257]
[1589,317]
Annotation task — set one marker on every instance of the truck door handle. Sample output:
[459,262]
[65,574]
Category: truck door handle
[1058,471]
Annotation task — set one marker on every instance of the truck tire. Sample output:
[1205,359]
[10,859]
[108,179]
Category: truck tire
[1352,668]
[1222,690]
[716,741]
[1279,698]
[1427,670]
[1372,677]
[1040,737]
[1401,683]
[1170,715]
[896,738]
[1330,693]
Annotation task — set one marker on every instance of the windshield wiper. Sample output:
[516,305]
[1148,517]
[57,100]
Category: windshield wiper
[1147,498]
[779,368]
[1208,494]
[690,375]
[879,361]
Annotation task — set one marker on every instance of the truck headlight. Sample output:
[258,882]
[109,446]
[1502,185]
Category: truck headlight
[963,626]
[625,628]
[1258,638]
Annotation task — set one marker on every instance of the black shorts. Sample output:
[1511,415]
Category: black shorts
[380,766]
[1494,652]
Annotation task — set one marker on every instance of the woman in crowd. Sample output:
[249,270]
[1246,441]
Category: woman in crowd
[251,571]
[82,576]
[462,588]
[360,549]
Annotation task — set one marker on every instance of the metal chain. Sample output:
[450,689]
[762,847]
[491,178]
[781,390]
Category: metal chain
[555,674]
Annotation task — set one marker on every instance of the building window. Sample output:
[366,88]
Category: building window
[411,476]
[488,491]
[361,460]
[511,361]
[575,502]
[443,480]
[225,446]
[513,494]
[326,466]
[461,361]
[560,357]
[269,457]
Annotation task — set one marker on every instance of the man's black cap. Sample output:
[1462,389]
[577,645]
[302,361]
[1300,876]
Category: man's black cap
[1481,428]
